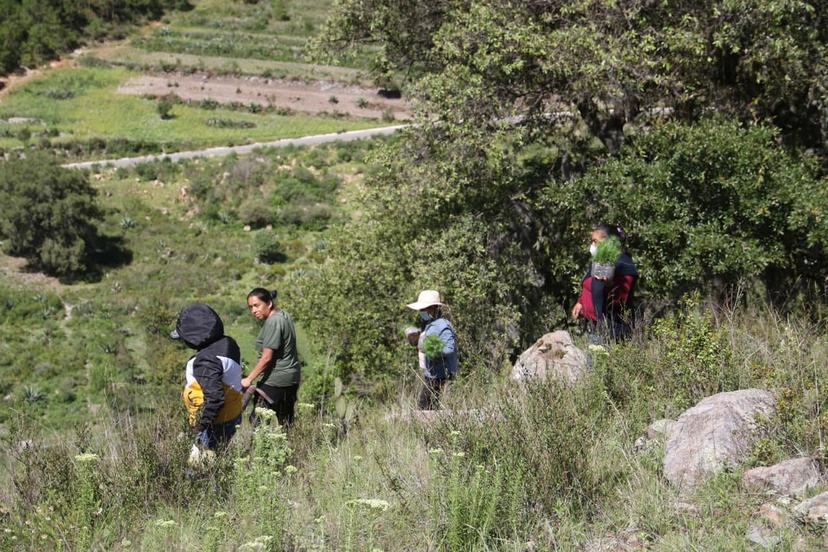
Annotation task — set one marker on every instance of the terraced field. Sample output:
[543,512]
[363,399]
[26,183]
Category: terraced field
[228,73]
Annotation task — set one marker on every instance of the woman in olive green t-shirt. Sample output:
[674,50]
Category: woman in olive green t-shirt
[278,359]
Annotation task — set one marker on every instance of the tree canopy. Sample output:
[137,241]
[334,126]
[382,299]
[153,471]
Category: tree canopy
[700,127]
[33,32]
[49,215]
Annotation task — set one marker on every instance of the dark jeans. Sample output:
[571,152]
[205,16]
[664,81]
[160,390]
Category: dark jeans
[284,398]
[218,435]
[430,394]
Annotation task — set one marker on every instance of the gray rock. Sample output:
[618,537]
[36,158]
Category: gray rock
[792,477]
[717,432]
[772,515]
[761,535]
[660,428]
[813,510]
[553,354]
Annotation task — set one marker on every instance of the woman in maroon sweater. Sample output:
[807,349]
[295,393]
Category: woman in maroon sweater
[604,304]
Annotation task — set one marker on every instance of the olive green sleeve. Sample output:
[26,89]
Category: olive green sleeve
[272,333]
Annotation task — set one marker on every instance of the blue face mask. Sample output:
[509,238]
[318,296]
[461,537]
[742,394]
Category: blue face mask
[425,317]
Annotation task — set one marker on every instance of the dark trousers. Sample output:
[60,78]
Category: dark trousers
[284,398]
[218,435]
[430,393]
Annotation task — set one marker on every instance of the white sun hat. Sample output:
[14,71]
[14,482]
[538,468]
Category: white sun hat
[427,298]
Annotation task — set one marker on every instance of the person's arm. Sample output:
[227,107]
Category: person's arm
[264,360]
[208,372]
[271,344]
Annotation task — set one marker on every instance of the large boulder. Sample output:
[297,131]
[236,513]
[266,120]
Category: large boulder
[555,355]
[718,431]
[789,478]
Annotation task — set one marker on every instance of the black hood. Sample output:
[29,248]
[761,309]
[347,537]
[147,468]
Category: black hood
[198,325]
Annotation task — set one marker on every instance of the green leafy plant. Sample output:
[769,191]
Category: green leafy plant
[433,346]
[607,251]
[268,247]
[164,107]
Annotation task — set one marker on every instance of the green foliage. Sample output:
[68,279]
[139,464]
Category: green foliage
[472,504]
[268,247]
[32,33]
[714,203]
[609,64]
[705,206]
[433,346]
[607,251]
[697,361]
[164,108]
[49,215]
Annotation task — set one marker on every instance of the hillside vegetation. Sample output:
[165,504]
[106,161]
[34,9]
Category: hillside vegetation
[33,33]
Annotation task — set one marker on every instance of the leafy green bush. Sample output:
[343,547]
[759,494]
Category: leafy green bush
[705,205]
[164,107]
[268,247]
[49,215]
[713,203]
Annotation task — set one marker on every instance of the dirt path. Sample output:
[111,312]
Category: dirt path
[306,97]
[241,150]
[12,82]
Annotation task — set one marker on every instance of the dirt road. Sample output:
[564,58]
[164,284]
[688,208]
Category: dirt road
[242,150]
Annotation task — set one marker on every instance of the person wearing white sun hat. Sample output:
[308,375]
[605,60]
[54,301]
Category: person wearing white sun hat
[441,365]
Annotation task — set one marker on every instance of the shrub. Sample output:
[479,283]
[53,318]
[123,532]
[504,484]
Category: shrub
[705,206]
[230,123]
[256,212]
[49,214]
[268,247]
[164,107]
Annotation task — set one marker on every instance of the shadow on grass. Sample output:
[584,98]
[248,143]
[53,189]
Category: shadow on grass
[108,252]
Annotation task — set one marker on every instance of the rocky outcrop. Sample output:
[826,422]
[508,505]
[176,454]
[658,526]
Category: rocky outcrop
[718,431]
[789,478]
[553,355]
[814,510]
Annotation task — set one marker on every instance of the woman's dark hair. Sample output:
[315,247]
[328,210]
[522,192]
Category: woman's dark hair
[612,230]
[262,294]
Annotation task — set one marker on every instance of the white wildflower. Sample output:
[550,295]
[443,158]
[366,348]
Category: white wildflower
[372,503]
[436,452]
[87,457]
[264,413]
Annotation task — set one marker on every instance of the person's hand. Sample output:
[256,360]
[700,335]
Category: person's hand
[246,382]
[576,311]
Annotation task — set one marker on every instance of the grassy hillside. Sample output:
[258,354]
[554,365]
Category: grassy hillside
[544,469]
[102,342]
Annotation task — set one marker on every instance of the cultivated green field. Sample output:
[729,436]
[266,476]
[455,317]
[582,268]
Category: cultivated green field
[78,111]
[264,38]
[83,103]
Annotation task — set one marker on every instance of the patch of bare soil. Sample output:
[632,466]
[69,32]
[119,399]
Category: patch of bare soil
[15,269]
[305,97]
